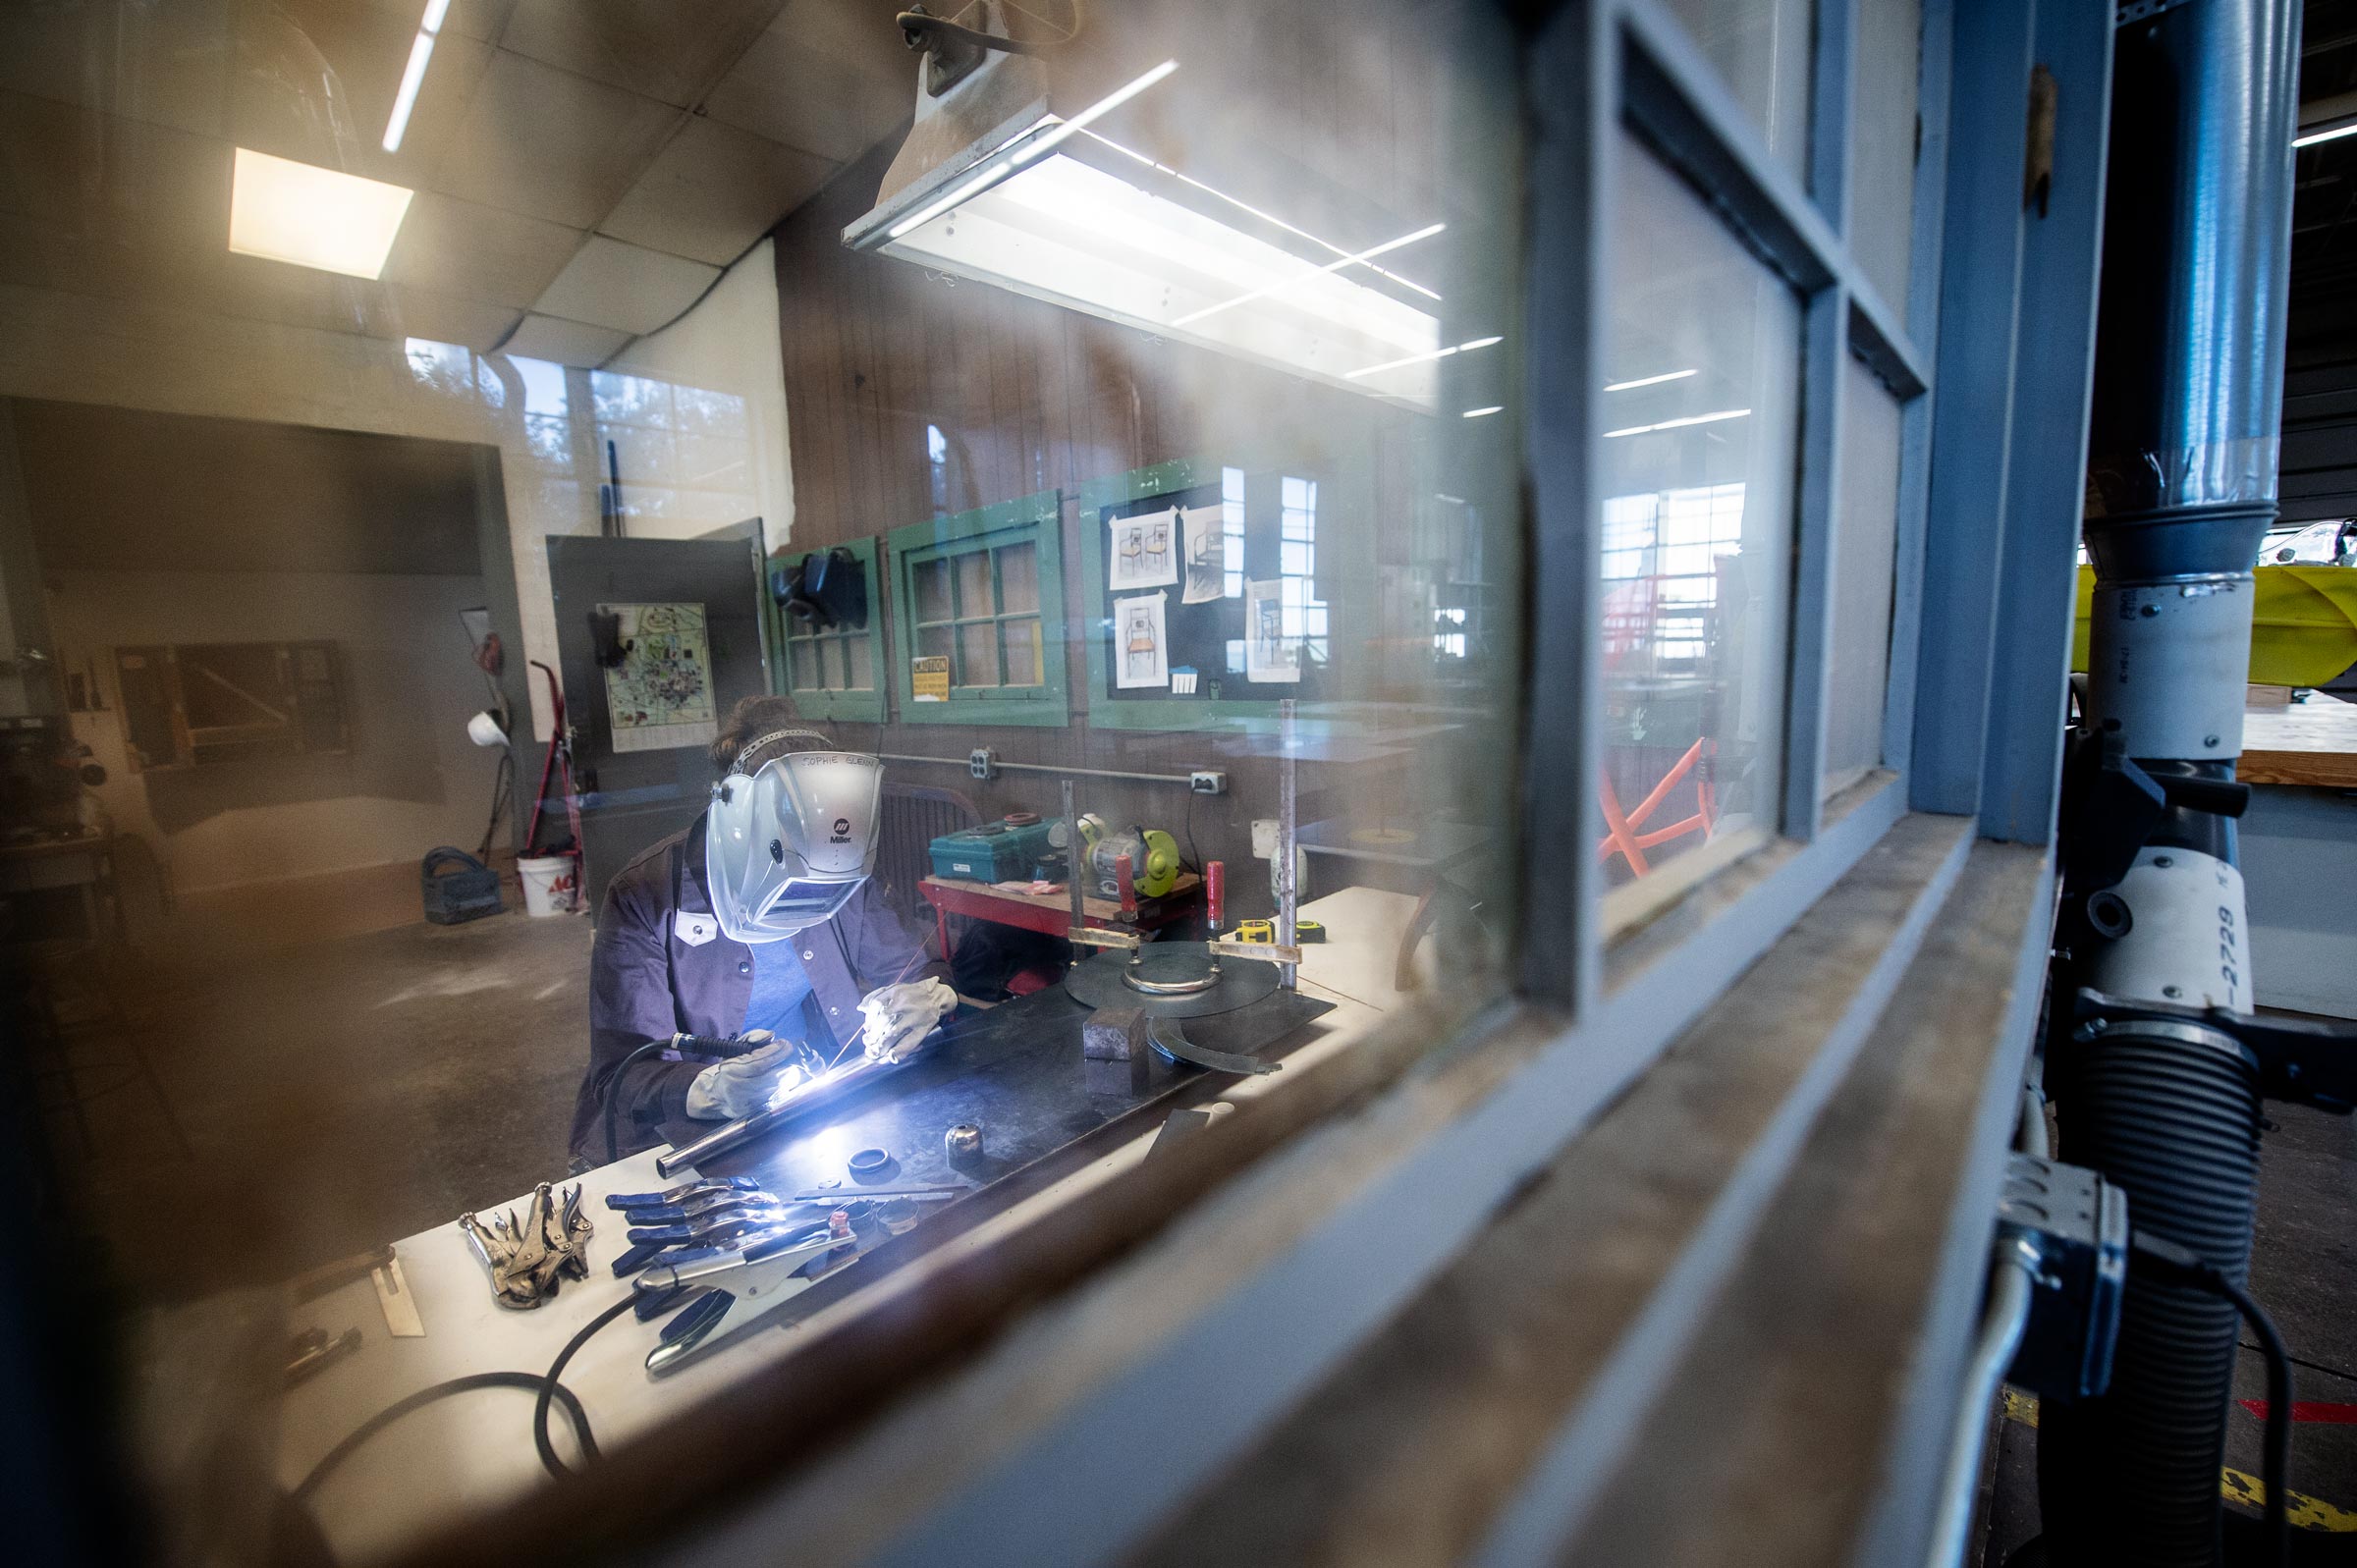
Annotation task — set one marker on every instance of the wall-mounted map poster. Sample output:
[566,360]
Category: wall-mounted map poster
[660,696]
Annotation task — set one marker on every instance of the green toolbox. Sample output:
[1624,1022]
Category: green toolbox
[1007,850]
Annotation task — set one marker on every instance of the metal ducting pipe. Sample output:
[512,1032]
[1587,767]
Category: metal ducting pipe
[2184,435]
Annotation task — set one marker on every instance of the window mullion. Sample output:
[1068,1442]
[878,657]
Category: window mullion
[1816,527]
[1573,72]
[1834,94]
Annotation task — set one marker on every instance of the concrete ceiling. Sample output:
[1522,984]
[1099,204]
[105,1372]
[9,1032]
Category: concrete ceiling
[584,169]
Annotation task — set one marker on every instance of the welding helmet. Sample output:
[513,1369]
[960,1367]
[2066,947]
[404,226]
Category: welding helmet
[787,843]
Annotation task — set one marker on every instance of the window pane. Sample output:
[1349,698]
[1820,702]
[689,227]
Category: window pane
[974,596]
[1762,47]
[1019,578]
[977,653]
[1021,639]
[1865,539]
[1699,453]
[1267,299]
[1882,144]
[930,582]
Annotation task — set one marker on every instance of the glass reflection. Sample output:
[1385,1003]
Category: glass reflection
[1865,545]
[1699,447]
[1762,48]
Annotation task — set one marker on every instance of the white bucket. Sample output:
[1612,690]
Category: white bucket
[550,884]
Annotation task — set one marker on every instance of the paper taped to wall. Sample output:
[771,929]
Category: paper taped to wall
[1270,653]
[1145,550]
[660,696]
[1206,554]
[1141,652]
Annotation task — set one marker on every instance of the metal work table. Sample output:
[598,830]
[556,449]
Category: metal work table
[1050,913]
[1046,1137]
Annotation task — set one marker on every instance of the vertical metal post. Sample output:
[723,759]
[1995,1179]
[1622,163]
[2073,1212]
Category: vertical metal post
[1288,856]
[1074,860]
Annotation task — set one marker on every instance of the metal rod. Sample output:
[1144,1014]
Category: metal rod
[2002,1322]
[1075,861]
[963,764]
[1287,895]
[815,1095]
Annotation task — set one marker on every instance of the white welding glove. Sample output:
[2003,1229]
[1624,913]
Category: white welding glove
[899,1018]
[732,1090]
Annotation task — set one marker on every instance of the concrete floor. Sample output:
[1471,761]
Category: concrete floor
[306,1104]
[2304,1272]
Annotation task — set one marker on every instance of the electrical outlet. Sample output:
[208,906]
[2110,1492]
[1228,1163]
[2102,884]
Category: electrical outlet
[1207,783]
[982,763]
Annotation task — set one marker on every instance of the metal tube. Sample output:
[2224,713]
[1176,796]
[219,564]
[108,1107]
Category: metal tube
[2003,1320]
[962,765]
[816,1096]
[1288,859]
[1075,861]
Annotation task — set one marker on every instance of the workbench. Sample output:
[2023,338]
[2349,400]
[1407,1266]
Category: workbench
[2298,845]
[1050,913]
[462,1456]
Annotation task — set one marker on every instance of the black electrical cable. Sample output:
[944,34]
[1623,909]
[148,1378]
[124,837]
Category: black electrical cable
[610,1094]
[1193,853]
[550,1387]
[502,781]
[384,1418]
[2164,1259]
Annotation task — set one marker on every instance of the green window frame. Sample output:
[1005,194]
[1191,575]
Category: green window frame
[811,662]
[958,591]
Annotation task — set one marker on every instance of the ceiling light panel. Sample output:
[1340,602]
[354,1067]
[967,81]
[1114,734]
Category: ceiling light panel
[312,217]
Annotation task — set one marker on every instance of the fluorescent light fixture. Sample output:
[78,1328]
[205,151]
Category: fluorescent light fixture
[1679,424]
[999,168]
[1094,112]
[1420,359]
[1250,211]
[414,78]
[1044,214]
[1078,234]
[957,197]
[407,98]
[1483,414]
[1425,233]
[312,217]
[2333,135]
[1649,381]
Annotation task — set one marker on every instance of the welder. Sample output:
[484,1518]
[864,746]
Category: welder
[759,915]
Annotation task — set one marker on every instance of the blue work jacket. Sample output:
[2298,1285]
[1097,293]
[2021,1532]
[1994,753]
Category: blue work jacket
[661,965]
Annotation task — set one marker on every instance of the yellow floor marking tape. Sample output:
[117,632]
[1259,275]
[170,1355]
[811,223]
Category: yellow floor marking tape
[2304,1513]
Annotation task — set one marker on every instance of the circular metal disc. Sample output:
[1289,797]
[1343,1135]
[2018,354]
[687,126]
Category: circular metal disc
[1097,983]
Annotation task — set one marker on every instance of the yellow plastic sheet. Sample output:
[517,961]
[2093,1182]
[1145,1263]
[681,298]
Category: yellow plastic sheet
[2303,628]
